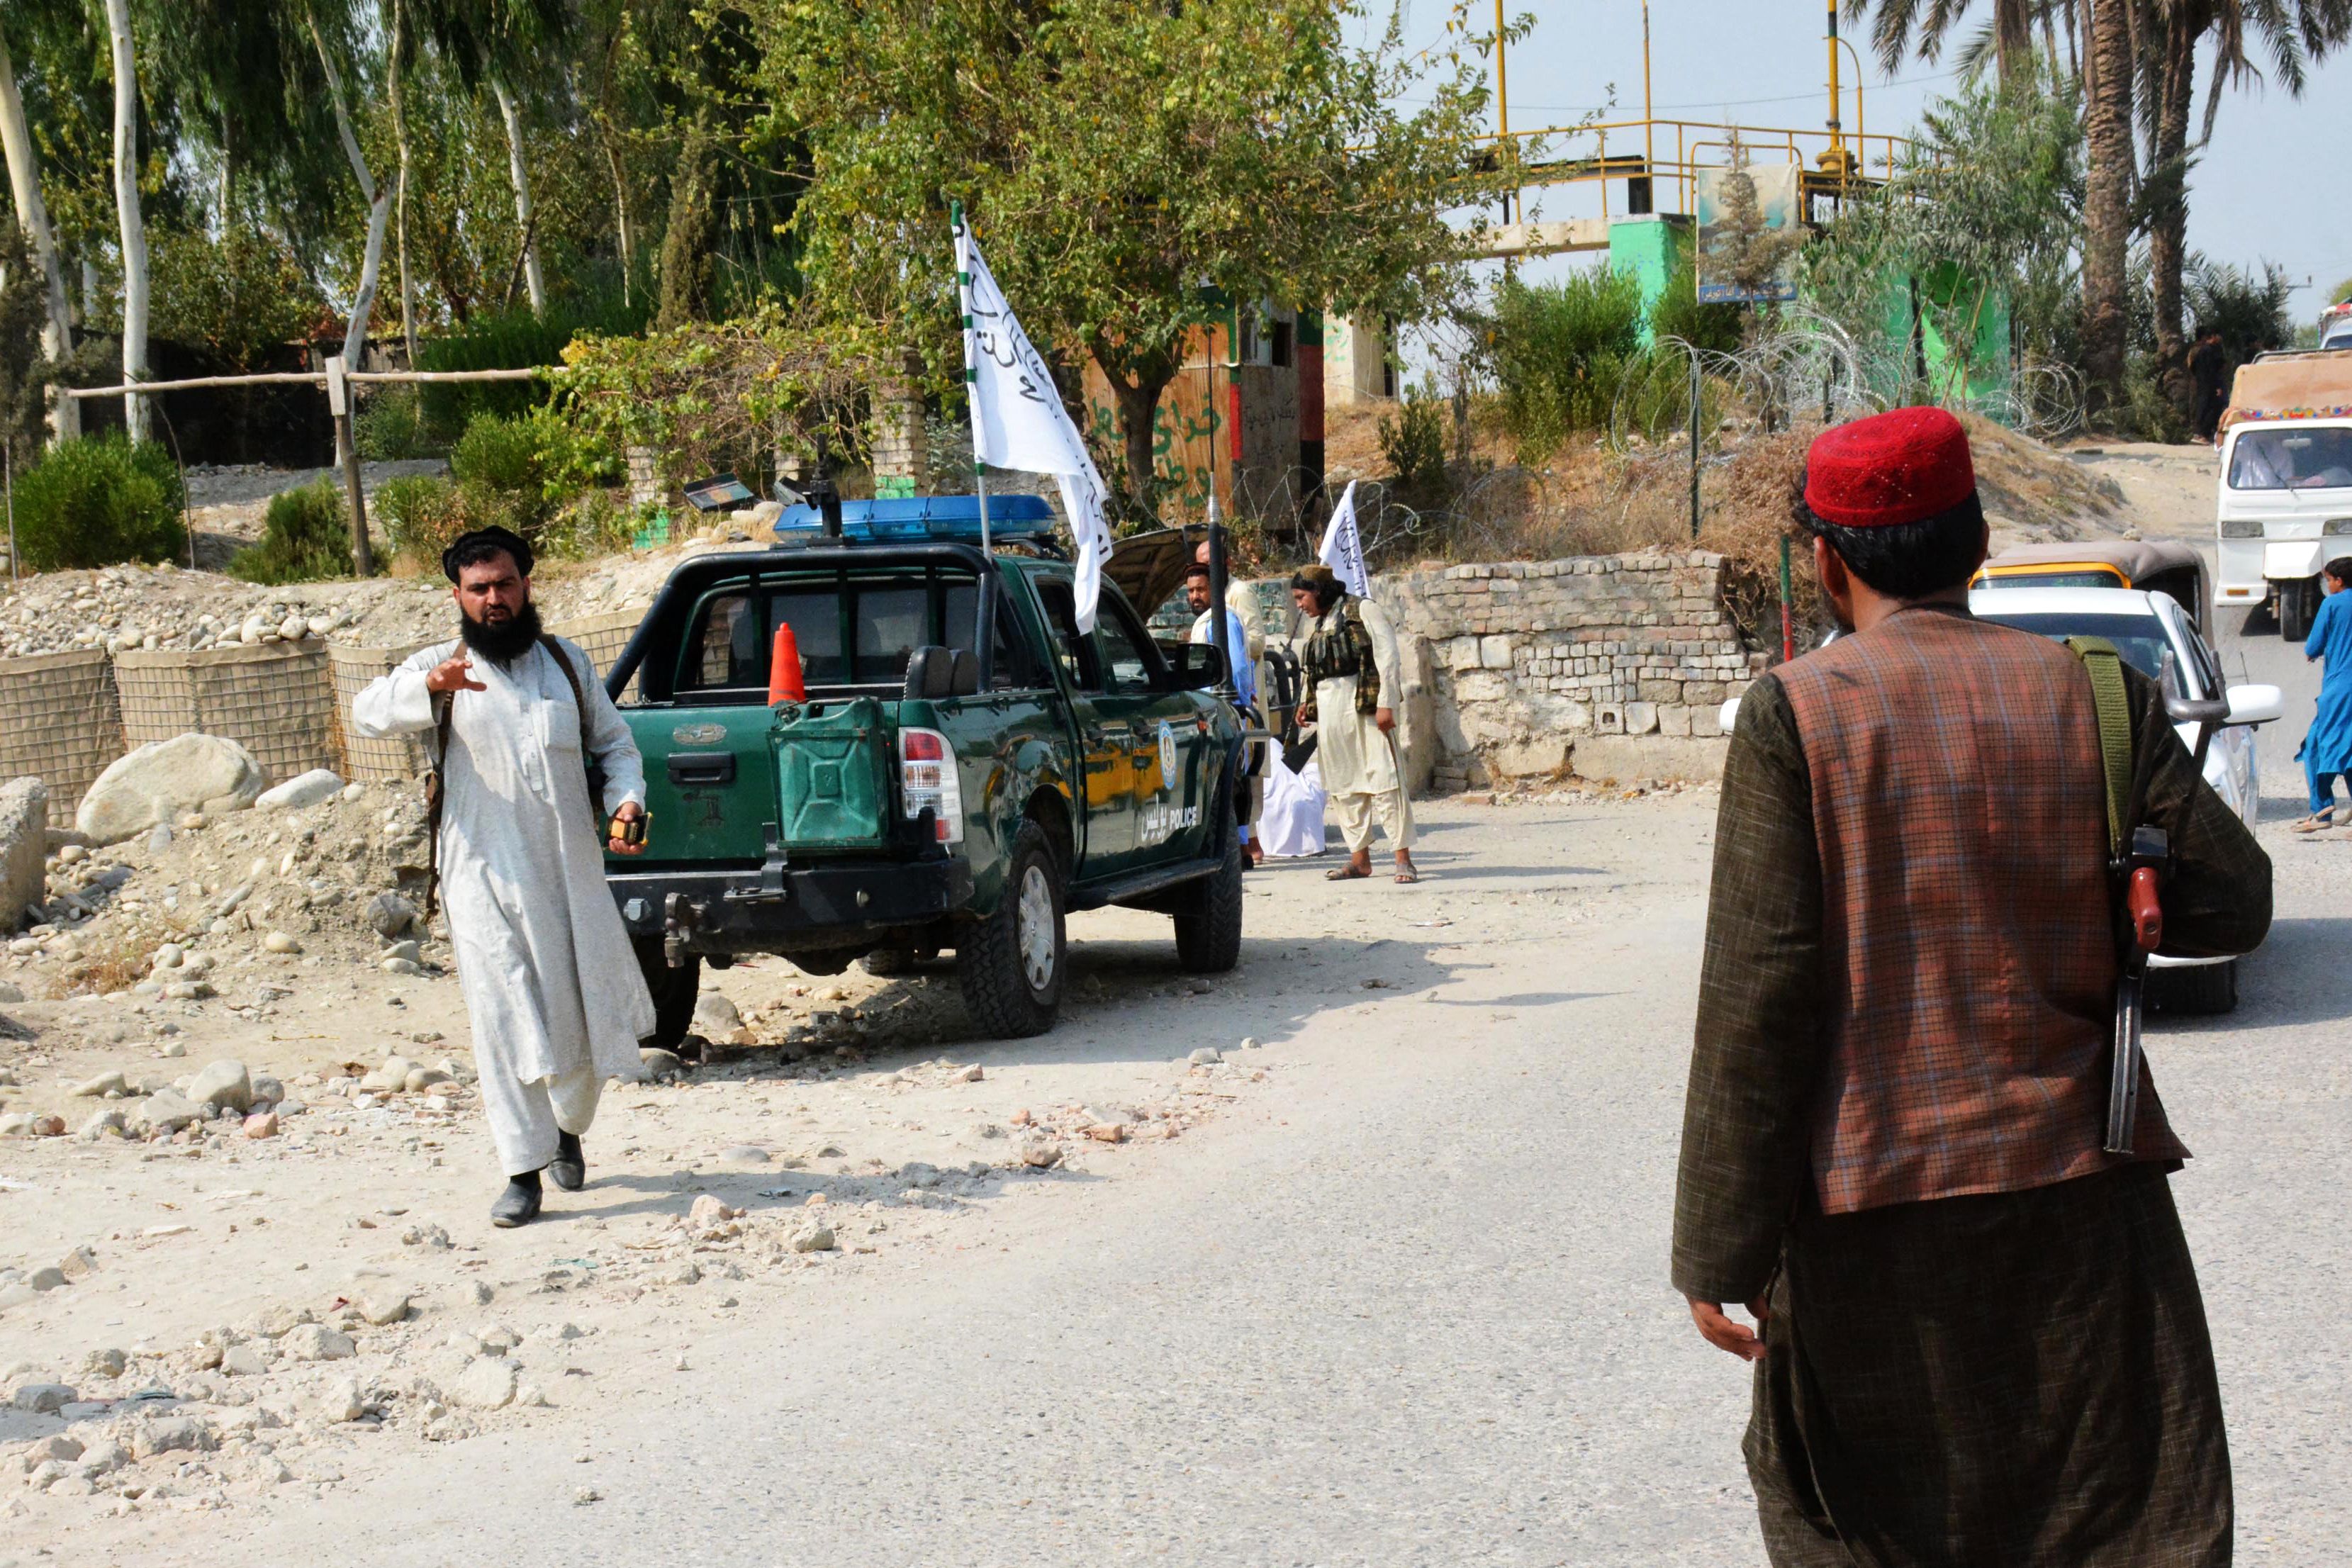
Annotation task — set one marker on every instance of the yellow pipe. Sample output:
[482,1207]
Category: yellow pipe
[1861,111]
[1837,132]
[1503,104]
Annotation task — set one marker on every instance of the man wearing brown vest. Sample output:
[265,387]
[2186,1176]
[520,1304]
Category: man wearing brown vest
[1981,1339]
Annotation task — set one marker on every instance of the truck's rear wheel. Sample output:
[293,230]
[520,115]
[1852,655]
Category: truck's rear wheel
[2299,603]
[673,990]
[1209,941]
[1009,963]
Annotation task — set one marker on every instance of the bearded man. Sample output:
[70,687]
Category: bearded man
[1355,679]
[553,993]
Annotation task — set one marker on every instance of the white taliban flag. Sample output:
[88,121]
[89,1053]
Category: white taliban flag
[1343,546]
[1018,420]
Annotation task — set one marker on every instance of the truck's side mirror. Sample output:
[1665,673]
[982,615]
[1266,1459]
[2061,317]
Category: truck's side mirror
[1195,667]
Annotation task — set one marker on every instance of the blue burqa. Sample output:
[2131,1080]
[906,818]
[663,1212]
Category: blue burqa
[2327,748]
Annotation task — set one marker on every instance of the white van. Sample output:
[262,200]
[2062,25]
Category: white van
[2285,506]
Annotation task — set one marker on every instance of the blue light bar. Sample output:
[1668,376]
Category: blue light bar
[1013,516]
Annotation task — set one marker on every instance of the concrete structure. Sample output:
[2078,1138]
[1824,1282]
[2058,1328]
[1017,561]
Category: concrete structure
[1359,364]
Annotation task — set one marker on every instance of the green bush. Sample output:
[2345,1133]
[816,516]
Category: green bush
[593,524]
[1676,313]
[1561,350]
[306,536]
[529,466]
[510,340]
[501,454]
[1413,444]
[390,426]
[419,516]
[98,500]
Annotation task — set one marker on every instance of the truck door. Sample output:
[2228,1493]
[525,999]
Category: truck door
[1168,743]
[1102,720]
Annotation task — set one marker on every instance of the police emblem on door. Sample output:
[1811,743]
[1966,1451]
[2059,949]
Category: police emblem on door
[1167,755]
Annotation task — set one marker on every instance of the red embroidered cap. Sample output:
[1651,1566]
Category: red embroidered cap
[1897,467]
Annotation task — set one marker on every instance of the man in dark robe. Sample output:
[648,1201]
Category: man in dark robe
[1982,1340]
[2206,366]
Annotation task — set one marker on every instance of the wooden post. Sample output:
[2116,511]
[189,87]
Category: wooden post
[338,404]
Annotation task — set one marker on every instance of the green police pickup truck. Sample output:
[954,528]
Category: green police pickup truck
[965,766]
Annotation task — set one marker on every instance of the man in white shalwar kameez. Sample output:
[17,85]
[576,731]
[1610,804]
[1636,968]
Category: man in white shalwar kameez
[1355,677]
[553,993]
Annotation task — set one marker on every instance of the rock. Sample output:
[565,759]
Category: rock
[658,1063]
[261,1124]
[250,1359]
[342,1400]
[818,1238]
[1108,1131]
[401,966]
[163,1111]
[171,955]
[392,1078]
[42,1398]
[267,1091]
[971,1074]
[715,1016]
[48,1126]
[10,993]
[107,1362]
[280,1319]
[1041,1153]
[78,1264]
[422,1079]
[24,846]
[389,915]
[224,1084]
[487,1383]
[49,1278]
[173,1435]
[290,630]
[405,948]
[16,1124]
[385,1306]
[708,1213]
[100,1124]
[187,990]
[279,942]
[191,822]
[316,1342]
[1249,1042]
[164,778]
[55,1447]
[99,1087]
[159,839]
[318,785]
[1205,1056]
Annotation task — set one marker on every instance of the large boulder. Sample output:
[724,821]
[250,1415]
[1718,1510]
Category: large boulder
[24,846]
[160,781]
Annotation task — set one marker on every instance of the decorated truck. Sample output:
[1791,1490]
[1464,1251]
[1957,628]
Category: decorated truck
[2285,485]
[878,740]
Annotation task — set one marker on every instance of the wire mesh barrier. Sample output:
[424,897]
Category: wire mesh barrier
[276,700]
[602,638]
[59,722]
[351,670]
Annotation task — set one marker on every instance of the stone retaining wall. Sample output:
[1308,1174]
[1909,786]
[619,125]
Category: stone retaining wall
[1610,666]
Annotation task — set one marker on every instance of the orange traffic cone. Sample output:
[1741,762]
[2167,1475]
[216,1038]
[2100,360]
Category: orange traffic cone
[785,683]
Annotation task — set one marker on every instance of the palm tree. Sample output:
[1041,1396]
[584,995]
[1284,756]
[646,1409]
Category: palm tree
[2106,204]
[1902,27]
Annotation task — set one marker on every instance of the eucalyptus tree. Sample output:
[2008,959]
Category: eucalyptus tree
[33,220]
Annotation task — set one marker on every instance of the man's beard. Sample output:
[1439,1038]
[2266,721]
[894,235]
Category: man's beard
[501,642]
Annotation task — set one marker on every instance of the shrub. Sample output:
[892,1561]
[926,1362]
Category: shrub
[526,466]
[1676,313]
[306,536]
[1561,350]
[499,452]
[98,500]
[510,340]
[593,524]
[1413,444]
[390,426]
[419,515]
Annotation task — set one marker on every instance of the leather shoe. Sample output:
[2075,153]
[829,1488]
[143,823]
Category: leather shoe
[519,1204]
[569,1169]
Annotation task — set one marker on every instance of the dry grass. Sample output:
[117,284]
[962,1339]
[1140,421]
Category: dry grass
[118,965]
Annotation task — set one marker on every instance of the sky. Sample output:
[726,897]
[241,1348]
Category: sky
[2275,184]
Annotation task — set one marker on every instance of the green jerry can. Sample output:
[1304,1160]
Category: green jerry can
[832,775]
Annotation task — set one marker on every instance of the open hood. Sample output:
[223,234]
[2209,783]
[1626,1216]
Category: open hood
[1149,567]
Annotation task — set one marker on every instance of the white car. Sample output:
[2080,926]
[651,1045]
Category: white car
[2155,636]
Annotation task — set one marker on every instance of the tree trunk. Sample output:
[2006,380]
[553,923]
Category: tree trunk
[379,201]
[620,214]
[33,217]
[533,282]
[126,212]
[1138,409]
[2106,208]
[686,266]
[2167,239]
[400,185]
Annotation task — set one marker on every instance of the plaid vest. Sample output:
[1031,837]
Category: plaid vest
[1968,948]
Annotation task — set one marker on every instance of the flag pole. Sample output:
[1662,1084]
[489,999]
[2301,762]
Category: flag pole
[970,376]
